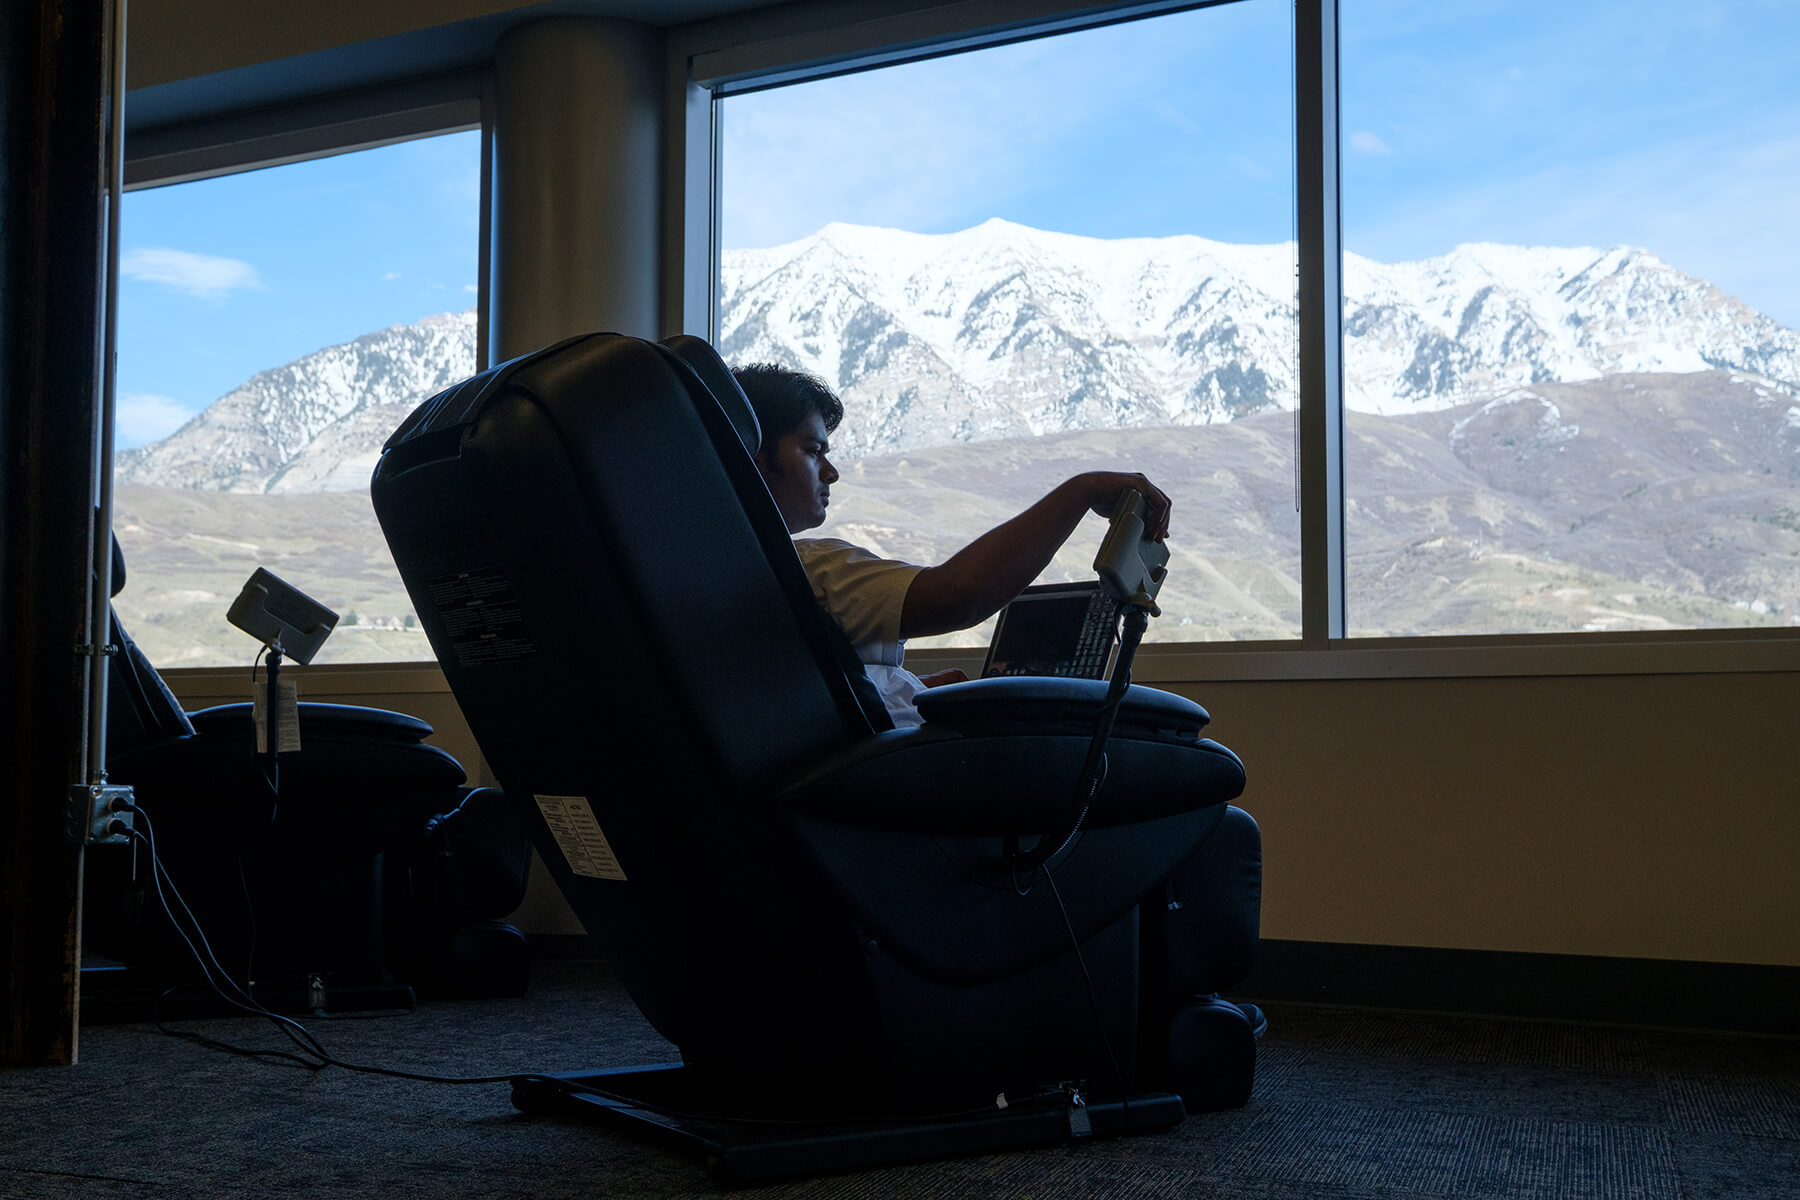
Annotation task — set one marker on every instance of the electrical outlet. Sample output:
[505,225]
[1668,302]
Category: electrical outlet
[100,814]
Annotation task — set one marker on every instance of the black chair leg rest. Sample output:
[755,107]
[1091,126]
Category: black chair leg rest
[1212,1054]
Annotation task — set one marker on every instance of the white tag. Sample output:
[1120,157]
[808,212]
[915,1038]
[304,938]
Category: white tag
[289,716]
[572,824]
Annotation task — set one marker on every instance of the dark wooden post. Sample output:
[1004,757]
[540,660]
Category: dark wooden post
[53,104]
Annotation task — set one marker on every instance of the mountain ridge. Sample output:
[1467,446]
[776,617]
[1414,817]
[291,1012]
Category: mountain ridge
[1003,331]
[266,434]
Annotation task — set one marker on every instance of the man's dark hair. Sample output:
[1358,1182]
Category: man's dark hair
[781,397]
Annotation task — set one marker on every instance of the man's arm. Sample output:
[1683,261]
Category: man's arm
[978,580]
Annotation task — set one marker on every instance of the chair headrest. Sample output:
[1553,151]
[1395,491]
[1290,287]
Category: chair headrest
[705,362]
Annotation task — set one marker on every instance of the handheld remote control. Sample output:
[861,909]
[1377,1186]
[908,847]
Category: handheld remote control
[1131,564]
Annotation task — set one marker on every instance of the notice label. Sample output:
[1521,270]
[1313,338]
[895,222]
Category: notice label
[572,824]
[288,725]
[481,616]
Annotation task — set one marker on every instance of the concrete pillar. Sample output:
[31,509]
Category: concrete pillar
[578,115]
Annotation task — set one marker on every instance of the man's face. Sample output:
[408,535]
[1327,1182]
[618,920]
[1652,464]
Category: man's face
[798,473]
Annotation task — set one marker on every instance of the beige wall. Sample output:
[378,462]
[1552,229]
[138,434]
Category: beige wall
[1646,816]
[1643,815]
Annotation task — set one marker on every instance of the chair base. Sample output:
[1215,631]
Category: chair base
[674,1104]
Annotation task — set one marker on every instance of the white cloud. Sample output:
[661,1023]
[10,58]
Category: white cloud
[1032,131]
[207,276]
[1176,117]
[1368,143]
[469,287]
[140,417]
[391,275]
[893,148]
[1246,165]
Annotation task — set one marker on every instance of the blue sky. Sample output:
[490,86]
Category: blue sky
[222,278]
[1181,124]
[1668,124]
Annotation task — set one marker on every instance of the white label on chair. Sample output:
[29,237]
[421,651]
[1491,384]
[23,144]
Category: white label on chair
[289,712]
[572,824]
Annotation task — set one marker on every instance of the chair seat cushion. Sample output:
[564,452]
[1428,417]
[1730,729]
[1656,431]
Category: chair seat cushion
[351,759]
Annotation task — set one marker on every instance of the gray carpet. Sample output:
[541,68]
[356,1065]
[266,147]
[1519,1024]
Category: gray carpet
[1347,1104]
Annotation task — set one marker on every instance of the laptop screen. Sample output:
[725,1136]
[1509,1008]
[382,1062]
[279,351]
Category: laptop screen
[1066,629]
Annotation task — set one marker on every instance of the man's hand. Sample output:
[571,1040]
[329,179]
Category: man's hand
[940,678]
[1106,486]
[978,580]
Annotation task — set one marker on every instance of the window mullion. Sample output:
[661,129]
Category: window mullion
[1321,304]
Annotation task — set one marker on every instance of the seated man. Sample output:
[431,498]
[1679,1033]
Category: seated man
[1210,912]
[880,603]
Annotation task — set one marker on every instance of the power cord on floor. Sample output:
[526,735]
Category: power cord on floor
[309,1053]
[306,1050]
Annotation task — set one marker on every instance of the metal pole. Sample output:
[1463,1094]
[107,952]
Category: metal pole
[1321,298]
[93,744]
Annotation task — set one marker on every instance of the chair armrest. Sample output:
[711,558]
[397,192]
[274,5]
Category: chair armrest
[342,722]
[993,780]
[1040,703]
[911,828]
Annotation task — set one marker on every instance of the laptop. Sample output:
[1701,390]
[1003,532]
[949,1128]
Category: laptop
[1066,629]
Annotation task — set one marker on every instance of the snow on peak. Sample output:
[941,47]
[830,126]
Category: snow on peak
[1002,330]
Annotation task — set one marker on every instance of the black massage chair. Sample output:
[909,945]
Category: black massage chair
[336,889]
[823,913]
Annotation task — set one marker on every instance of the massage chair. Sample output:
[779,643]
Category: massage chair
[824,914]
[327,882]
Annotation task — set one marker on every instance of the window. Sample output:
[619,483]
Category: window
[1023,261]
[275,326]
[1571,368]
[1582,427]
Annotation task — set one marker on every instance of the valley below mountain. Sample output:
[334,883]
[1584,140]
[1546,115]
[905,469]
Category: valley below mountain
[1606,505]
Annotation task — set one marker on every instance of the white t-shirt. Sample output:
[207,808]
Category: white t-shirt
[865,594]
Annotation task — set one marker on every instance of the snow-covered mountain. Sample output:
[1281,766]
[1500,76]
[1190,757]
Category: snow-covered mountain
[1005,331]
[1001,330]
[316,424]
[1484,318]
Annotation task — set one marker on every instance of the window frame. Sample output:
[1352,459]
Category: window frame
[249,140]
[715,68]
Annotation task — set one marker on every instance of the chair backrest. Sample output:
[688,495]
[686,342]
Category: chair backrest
[617,608]
[822,633]
[141,711]
[589,547]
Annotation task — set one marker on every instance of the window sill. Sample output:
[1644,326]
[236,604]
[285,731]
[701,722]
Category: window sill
[334,679]
[1684,652]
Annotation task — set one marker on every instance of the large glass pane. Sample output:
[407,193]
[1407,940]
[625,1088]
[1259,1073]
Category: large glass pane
[1022,262]
[1571,299]
[275,326]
